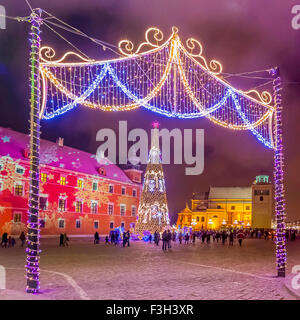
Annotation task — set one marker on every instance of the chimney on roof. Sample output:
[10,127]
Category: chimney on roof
[60,142]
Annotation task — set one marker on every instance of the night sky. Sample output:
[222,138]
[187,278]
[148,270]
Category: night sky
[244,35]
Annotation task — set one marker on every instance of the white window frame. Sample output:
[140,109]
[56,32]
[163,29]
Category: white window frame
[76,221]
[45,196]
[78,200]
[122,205]
[113,208]
[80,179]
[97,184]
[113,188]
[62,198]
[123,188]
[19,183]
[58,221]
[98,224]
[17,212]
[133,206]
[19,167]
[92,202]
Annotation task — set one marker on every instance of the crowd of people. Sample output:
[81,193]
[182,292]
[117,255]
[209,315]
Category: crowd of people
[10,241]
[114,238]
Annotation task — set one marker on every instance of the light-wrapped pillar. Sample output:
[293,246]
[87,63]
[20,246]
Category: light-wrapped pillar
[33,252]
[278,177]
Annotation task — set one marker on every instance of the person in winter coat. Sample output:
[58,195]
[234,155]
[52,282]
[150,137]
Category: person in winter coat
[180,237]
[22,238]
[61,240]
[240,236]
[165,240]
[96,237]
[169,239]
[231,236]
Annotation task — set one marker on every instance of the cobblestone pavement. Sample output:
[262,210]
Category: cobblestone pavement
[143,271]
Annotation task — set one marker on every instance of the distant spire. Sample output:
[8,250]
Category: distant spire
[154,154]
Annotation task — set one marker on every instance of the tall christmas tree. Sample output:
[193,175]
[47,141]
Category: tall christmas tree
[153,212]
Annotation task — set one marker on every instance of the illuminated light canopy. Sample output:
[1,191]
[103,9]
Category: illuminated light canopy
[171,79]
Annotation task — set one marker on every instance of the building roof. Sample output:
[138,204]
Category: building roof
[230,193]
[13,143]
[186,210]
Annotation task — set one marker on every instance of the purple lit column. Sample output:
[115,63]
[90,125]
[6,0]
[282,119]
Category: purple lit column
[33,252]
[278,177]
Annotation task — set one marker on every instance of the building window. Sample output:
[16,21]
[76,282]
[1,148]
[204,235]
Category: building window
[43,203]
[232,207]
[17,217]
[261,198]
[111,225]
[20,170]
[102,171]
[96,224]
[219,207]
[134,193]
[61,205]
[42,223]
[202,219]
[122,209]
[111,188]
[261,192]
[19,189]
[44,177]
[123,190]
[247,207]
[198,219]
[133,211]
[61,223]
[78,206]
[62,180]
[80,183]
[94,206]
[77,224]
[110,209]
[122,225]
[95,186]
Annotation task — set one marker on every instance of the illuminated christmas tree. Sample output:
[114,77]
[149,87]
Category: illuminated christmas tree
[153,213]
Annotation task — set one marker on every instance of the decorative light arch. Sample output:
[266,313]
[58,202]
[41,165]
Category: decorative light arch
[169,78]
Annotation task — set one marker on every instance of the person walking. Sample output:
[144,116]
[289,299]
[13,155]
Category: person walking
[165,240]
[208,237]
[187,237]
[203,236]
[240,236]
[96,237]
[22,238]
[4,240]
[150,238]
[124,239]
[180,238]
[194,238]
[112,237]
[223,237]
[116,238]
[106,240]
[66,239]
[169,235]
[61,240]
[128,238]
[231,237]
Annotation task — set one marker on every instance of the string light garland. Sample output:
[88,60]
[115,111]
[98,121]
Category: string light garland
[170,79]
[33,231]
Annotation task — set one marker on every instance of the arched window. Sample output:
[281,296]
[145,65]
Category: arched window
[202,219]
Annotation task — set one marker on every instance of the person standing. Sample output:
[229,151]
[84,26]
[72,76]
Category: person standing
[194,238]
[240,236]
[180,237]
[66,239]
[169,235]
[128,238]
[124,239]
[165,240]
[231,237]
[22,238]
[223,237]
[96,237]
[150,238]
[61,240]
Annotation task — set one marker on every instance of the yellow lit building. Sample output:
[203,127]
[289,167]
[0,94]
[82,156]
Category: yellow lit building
[230,207]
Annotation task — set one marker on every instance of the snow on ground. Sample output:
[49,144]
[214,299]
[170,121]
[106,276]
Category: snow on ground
[143,271]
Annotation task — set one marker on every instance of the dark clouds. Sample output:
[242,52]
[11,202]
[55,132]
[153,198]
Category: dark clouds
[244,35]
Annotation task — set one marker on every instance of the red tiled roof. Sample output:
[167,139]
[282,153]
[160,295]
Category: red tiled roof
[13,143]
